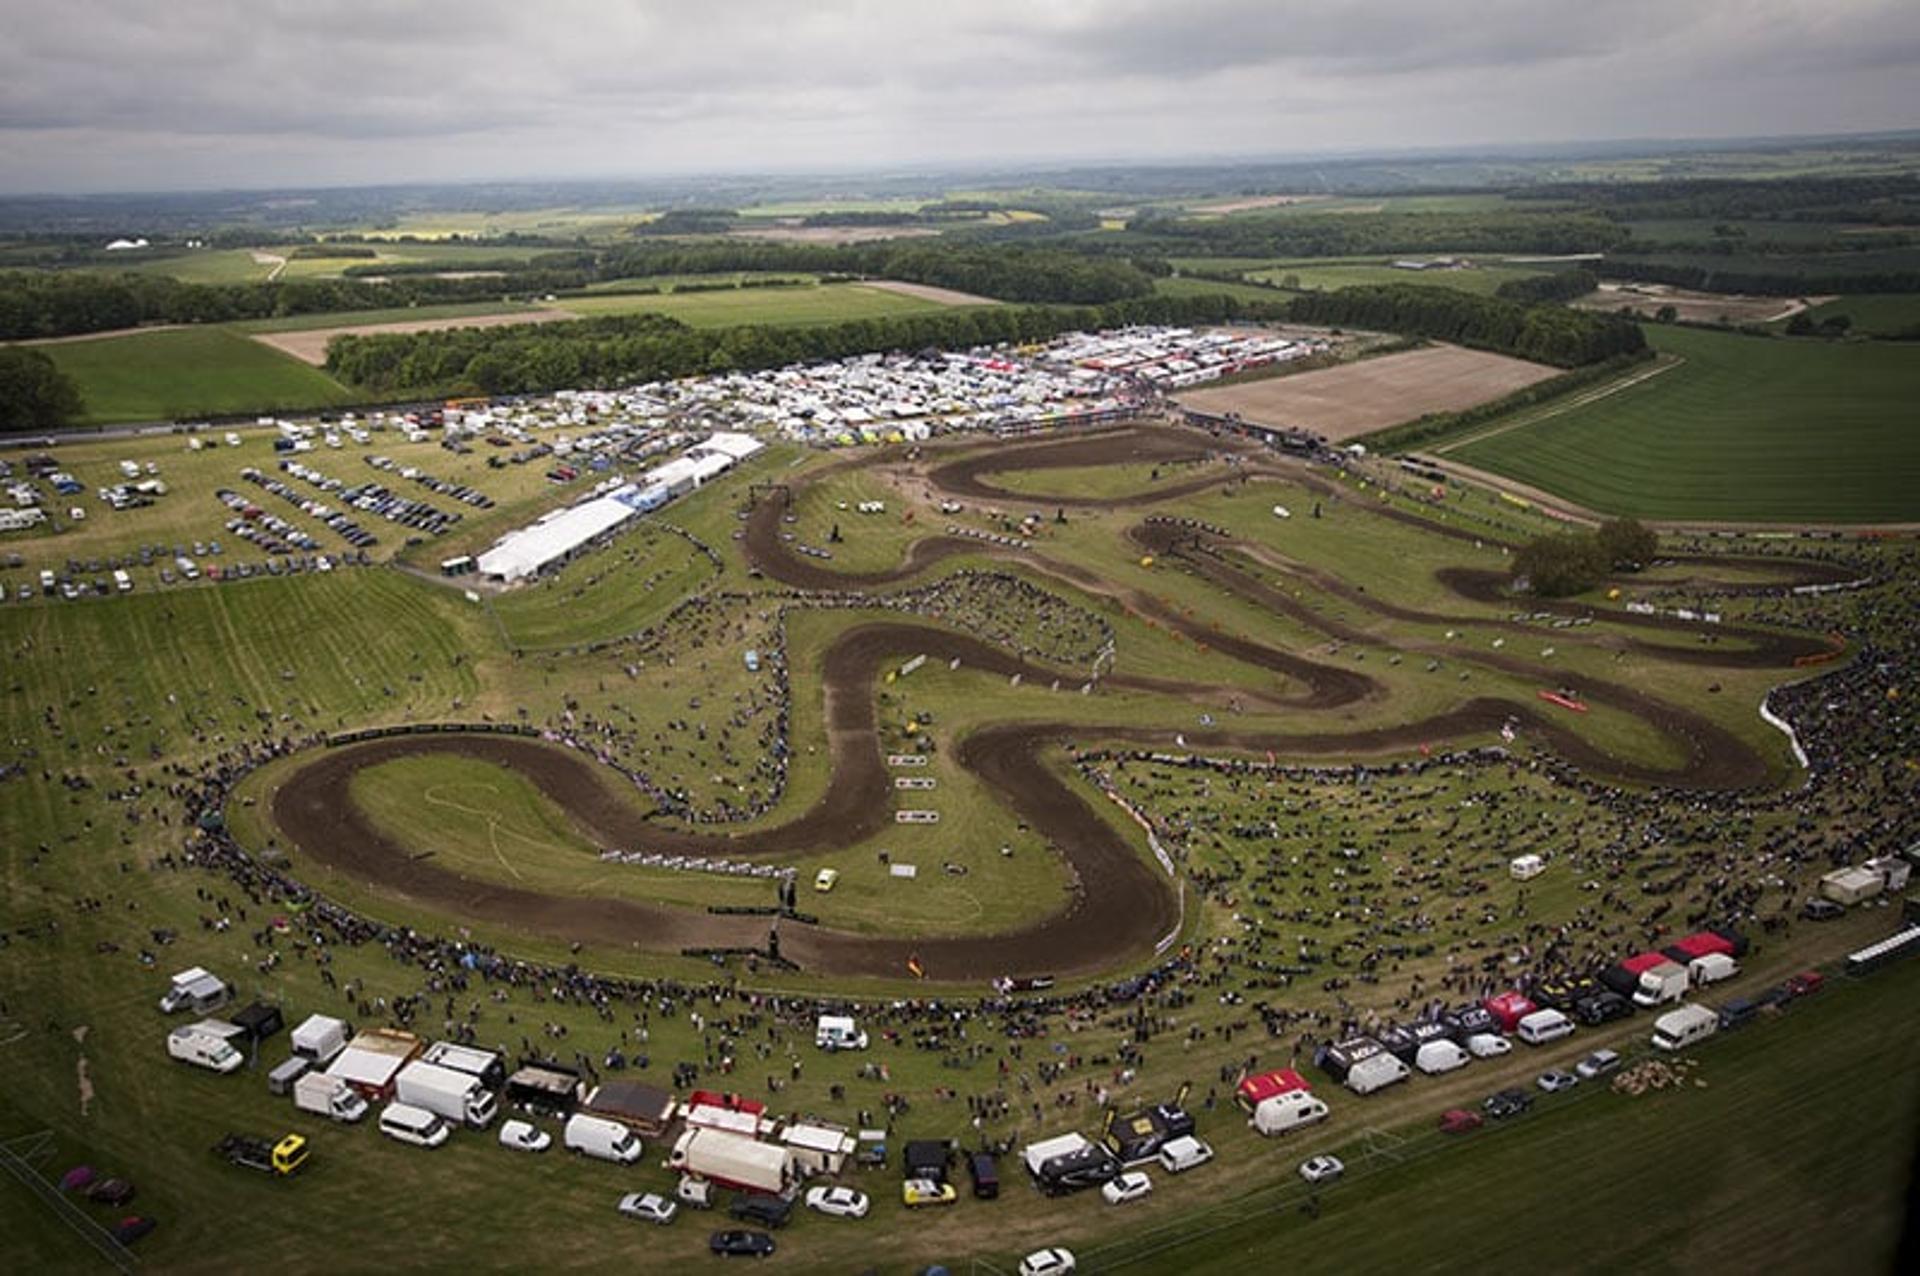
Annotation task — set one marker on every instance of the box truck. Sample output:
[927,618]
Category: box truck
[329,1097]
[733,1160]
[456,1096]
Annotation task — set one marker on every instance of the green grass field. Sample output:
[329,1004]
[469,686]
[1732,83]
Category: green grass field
[106,700]
[1321,275]
[1883,314]
[1742,428]
[1185,286]
[184,373]
[832,303]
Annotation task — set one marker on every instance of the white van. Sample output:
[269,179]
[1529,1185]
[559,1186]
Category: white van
[1542,1026]
[837,1032]
[1280,1113]
[1435,1057]
[413,1125]
[597,1137]
[1184,1153]
[1678,1029]
[1711,969]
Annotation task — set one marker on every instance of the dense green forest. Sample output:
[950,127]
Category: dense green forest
[627,349]
[1363,234]
[1547,334]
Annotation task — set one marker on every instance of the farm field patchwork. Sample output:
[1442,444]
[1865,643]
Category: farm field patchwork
[1742,428]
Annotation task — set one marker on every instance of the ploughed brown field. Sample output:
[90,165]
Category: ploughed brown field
[1356,398]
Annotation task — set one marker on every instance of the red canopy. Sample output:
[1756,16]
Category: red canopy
[1267,1084]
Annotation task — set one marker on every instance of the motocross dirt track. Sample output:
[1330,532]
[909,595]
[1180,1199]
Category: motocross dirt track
[1120,902]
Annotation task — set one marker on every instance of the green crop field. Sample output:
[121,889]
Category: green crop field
[192,372]
[1881,314]
[829,303]
[1321,275]
[1741,428]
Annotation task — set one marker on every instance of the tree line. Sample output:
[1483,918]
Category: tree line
[1756,275]
[1545,334]
[1366,234]
[63,303]
[1562,563]
[630,349]
[1557,285]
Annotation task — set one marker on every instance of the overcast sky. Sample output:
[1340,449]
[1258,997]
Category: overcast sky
[105,95]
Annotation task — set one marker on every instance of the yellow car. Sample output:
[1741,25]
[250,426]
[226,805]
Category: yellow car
[823,880]
[926,1192]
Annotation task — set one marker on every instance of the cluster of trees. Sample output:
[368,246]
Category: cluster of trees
[1363,234]
[60,303]
[1558,285]
[690,221]
[1546,334]
[1781,277]
[35,395]
[1563,563]
[623,350]
[1814,198]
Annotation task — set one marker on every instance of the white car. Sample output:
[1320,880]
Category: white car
[648,1208]
[1047,1262]
[840,1202]
[1487,1045]
[1322,1169]
[523,1136]
[1122,1188]
[1598,1064]
[1184,1153]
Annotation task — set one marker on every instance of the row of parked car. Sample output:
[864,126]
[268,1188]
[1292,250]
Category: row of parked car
[338,522]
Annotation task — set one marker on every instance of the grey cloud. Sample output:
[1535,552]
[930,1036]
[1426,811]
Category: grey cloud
[110,94]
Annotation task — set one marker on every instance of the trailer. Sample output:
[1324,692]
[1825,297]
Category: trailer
[194,989]
[1850,886]
[320,1038]
[487,1065]
[818,1149]
[735,1161]
[1902,943]
[252,1153]
[645,1109]
[548,1089]
[372,1062]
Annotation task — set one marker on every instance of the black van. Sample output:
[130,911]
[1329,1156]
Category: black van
[985,1175]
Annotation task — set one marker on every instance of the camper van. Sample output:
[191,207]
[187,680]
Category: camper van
[191,1044]
[196,990]
[605,1140]
[838,1032]
[1678,1029]
[1543,1026]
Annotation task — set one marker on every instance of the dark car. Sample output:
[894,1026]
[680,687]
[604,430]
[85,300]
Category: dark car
[741,1244]
[1821,910]
[132,1228]
[1507,1103]
[985,1173]
[768,1211]
[110,1192]
[1738,1013]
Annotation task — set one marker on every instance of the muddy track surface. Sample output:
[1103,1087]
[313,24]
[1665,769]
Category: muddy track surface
[1119,903]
